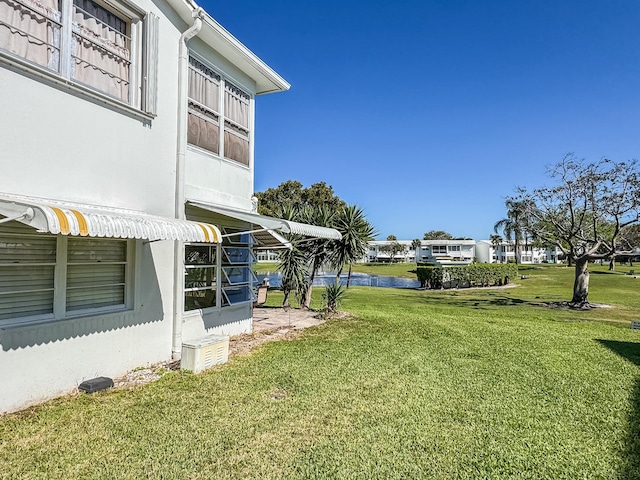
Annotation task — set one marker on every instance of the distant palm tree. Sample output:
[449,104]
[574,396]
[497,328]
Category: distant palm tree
[356,233]
[514,225]
[415,244]
[496,240]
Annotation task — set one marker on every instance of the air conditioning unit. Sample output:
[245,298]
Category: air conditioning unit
[205,352]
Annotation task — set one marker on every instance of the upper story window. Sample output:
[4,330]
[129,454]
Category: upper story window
[454,248]
[90,43]
[438,249]
[215,106]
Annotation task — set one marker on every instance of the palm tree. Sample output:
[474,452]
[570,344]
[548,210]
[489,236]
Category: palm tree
[415,244]
[496,240]
[514,225]
[292,262]
[318,250]
[356,233]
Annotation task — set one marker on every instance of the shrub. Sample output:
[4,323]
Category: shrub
[474,275]
[333,295]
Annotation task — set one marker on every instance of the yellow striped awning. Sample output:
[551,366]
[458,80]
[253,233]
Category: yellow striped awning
[51,216]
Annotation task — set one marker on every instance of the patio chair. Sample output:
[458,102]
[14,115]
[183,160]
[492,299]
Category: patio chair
[262,296]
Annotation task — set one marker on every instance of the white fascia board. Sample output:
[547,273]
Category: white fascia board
[219,39]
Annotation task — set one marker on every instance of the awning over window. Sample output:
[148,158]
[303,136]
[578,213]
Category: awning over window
[270,240]
[271,223]
[51,216]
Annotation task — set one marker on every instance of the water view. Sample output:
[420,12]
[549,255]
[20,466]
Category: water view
[357,279]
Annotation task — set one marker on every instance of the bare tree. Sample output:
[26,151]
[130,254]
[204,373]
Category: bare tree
[584,213]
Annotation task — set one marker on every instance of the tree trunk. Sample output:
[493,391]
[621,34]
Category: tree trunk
[312,276]
[581,283]
[285,300]
[349,276]
[612,263]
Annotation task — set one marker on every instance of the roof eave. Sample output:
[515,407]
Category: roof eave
[218,38]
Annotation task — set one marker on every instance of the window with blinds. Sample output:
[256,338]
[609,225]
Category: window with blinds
[216,104]
[96,273]
[57,276]
[27,272]
[87,42]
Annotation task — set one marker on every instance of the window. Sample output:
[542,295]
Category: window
[216,105]
[96,273]
[238,277]
[439,249]
[200,279]
[94,44]
[27,268]
[57,276]
[454,248]
[212,270]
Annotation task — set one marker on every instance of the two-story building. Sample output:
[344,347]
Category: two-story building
[447,252]
[505,252]
[127,225]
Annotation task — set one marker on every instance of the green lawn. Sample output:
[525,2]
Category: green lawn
[454,384]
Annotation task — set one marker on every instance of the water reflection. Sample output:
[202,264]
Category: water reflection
[357,279]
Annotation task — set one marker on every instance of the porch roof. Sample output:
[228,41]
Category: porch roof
[271,224]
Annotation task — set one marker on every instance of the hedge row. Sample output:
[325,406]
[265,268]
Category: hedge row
[474,275]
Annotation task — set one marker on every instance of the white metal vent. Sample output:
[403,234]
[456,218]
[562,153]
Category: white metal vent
[205,352]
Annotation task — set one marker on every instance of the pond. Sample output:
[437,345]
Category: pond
[357,279]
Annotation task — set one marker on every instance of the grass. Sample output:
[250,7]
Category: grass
[454,384]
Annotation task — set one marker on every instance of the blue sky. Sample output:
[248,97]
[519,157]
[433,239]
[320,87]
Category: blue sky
[429,113]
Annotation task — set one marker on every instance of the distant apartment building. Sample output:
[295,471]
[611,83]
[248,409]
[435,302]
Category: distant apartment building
[505,252]
[378,253]
[459,252]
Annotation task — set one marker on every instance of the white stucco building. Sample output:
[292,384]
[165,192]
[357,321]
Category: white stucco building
[505,252]
[126,188]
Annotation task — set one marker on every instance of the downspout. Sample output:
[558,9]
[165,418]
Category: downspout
[178,250]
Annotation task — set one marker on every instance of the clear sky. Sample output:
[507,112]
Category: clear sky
[429,113]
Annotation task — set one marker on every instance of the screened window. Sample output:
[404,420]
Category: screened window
[204,113]
[96,273]
[454,248]
[439,249]
[27,272]
[58,276]
[93,44]
[219,114]
[200,276]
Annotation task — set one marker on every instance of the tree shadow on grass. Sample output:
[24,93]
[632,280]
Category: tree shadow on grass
[478,303]
[630,351]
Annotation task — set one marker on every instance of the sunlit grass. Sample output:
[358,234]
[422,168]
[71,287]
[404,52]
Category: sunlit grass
[415,384]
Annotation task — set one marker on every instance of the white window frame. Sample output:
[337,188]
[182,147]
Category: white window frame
[223,81]
[215,267]
[59,308]
[142,32]
[223,263]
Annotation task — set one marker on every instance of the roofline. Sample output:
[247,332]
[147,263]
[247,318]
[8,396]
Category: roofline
[218,38]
